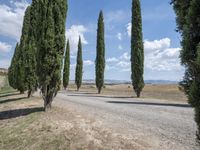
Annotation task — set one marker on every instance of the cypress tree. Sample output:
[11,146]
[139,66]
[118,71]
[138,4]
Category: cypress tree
[66,71]
[12,69]
[79,66]
[194,95]
[21,51]
[30,52]
[188,25]
[52,18]
[137,49]
[100,52]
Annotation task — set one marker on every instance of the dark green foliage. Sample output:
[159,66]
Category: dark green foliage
[79,66]
[19,63]
[66,71]
[50,45]
[188,24]
[194,95]
[137,49]
[100,52]
[12,76]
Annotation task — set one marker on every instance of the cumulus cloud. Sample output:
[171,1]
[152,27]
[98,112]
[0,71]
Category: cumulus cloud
[160,56]
[73,34]
[88,62]
[11,18]
[157,44]
[128,29]
[113,59]
[125,56]
[120,47]
[4,47]
[122,63]
[119,36]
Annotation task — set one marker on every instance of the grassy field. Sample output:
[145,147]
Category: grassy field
[169,92]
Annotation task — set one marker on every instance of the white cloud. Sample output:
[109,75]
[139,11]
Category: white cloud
[113,59]
[120,47]
[157,44]
[88,62]
[125,56]
[123,64]
[160,56]
[73,34]
[119,36]
[4,47]
[4,63]
[11,19]
[128,29]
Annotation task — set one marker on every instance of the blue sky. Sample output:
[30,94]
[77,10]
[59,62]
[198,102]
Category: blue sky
[161,42]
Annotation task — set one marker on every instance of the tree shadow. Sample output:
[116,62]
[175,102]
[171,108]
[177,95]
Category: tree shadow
[19,112]
[151,104]
[11,100]
[9,94]
[99,96]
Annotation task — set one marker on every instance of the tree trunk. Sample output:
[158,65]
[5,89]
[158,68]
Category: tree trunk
[21,92]
[99,90]
[138,94]
[29,93]
[47,104]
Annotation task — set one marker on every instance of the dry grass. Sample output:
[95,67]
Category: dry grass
[24,125]
[169,92]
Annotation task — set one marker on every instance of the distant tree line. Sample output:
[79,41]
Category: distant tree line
[188,25]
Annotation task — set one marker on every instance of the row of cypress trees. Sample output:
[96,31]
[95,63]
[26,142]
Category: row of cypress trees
[137,54]
[37,59]
[100,59]
[188,25]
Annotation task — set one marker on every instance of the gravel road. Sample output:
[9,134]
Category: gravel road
[152,124]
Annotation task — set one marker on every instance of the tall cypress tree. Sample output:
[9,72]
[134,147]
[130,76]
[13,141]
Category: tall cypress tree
[100,52]
[12,76]
[137,49]
[188,24]
[79,66]
[66,71]
[30,51]
[52,18]
[194,95]
[19,61]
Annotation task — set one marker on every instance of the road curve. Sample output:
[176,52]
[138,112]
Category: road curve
[159,124]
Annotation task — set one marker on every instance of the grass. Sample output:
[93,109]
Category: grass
[24,125]
[169,92]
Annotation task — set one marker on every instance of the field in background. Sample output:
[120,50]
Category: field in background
[169,92]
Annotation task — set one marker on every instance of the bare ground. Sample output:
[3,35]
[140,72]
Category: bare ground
[24,125]
[112,120]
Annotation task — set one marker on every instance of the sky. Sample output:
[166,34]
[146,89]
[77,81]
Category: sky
[161,41]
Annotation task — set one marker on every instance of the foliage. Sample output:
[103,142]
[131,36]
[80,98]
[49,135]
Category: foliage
[79,66]
[137,49]
[100,58]
[66,71]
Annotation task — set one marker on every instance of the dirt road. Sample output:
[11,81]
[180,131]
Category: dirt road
[151,124]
